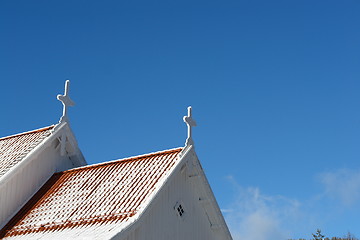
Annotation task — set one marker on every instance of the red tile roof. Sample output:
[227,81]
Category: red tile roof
[107,193]
[14,148]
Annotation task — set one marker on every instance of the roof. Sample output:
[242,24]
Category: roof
[100,197]
[16,147]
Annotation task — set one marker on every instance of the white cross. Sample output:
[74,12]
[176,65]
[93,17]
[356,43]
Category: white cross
[190,123]
[66,101]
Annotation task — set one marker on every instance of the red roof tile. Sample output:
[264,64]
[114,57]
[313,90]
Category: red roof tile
[14,148]
[107,193]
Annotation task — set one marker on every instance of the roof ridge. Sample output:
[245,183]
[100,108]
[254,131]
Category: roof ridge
[28,132]
[132,158]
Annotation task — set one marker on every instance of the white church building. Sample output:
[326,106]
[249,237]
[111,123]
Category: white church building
[47,191]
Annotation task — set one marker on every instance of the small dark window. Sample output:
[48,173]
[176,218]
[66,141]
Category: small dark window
[180,210]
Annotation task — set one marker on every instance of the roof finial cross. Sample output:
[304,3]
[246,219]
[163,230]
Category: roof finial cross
[190,123]
[66,101]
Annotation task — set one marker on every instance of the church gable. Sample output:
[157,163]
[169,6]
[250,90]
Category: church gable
[45,194]
[179,211]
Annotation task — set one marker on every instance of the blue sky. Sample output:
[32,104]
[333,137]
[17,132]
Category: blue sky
[274,87]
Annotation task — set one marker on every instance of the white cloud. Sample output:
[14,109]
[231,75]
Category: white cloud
[343,185]
[255,216]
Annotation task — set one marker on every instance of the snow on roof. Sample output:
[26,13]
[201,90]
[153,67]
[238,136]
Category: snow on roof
[95,199]
[14,148]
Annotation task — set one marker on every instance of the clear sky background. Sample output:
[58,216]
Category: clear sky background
[274,87]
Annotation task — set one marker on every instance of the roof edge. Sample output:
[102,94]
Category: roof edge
[132,158]
[27,132]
